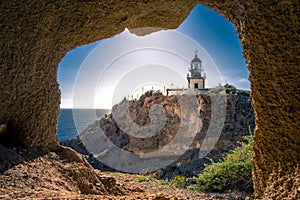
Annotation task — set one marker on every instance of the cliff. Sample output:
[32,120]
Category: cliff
[239,116]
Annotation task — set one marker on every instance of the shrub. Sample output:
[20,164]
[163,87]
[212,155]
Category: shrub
[230,89]
[165,182]
[179,181]
[144,177]
[233,173]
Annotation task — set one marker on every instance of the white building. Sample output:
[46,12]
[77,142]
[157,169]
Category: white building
[196,77]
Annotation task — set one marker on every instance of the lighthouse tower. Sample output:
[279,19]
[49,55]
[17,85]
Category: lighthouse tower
[196,76]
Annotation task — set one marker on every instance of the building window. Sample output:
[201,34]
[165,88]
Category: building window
[196,85]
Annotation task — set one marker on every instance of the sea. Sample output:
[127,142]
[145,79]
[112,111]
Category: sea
[72,122]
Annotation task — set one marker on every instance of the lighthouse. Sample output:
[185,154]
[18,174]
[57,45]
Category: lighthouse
[196,76]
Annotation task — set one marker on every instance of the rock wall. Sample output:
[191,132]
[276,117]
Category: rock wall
[239,116]
[37,34]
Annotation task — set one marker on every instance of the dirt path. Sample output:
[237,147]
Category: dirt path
[154,190]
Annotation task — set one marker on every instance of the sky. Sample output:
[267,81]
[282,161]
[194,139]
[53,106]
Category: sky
[101,74]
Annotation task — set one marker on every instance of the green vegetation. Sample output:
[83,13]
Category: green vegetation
[177,181]
[230,89]
[144,176]
[232,173]
[165,182]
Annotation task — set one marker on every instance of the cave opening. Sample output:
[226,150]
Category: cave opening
[106,67]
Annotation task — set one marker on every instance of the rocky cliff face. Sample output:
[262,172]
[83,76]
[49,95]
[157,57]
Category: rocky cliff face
[239,117]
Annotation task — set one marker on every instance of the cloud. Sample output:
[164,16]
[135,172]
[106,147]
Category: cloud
[243,80]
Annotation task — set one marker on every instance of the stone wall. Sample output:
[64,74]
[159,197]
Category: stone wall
[35,36]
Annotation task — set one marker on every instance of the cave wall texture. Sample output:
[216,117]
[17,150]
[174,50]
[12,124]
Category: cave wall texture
[35,36]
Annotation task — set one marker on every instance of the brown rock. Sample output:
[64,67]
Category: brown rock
[2,128]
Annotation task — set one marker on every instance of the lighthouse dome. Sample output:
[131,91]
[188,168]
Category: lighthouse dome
[196,59]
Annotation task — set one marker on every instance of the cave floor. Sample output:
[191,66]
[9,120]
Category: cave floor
[57,175]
